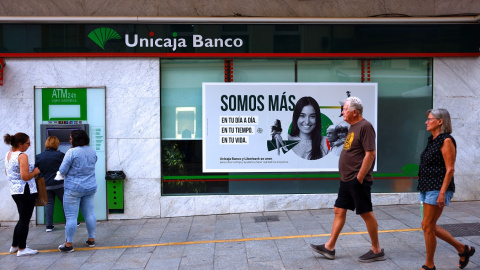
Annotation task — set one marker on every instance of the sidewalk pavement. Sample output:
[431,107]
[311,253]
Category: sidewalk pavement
[269,240]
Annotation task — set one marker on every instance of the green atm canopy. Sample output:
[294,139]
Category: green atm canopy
[64,104]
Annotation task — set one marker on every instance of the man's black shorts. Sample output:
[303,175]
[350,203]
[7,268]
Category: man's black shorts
[353,195]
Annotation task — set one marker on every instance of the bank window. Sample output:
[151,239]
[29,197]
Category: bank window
[404,94]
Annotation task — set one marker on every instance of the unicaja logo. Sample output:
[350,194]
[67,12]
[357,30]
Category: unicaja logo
[102,35]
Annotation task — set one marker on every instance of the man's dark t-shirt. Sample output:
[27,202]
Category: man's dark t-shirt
[360,138]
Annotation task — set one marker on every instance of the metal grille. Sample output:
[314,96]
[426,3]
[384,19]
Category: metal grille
[266,219]
[462,229]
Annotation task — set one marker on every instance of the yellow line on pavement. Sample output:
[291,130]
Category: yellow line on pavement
[224,240]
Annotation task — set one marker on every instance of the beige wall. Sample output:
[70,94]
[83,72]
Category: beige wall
[245,8]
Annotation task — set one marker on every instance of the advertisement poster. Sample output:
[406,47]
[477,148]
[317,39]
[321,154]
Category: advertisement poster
[278,127]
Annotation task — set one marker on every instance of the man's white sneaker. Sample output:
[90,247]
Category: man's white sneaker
[26,251]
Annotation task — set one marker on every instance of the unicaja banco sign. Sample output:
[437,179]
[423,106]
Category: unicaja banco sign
[101,35]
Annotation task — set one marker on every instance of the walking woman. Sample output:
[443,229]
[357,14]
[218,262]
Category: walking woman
[436,185]
[80,187]
[22,188]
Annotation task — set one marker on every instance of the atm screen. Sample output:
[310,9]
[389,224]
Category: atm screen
[63,136]
[62,132]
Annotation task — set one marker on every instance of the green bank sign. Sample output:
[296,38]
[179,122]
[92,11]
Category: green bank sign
[101,35]
[64,104]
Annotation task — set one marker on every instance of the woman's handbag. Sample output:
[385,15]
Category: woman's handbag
[42,198]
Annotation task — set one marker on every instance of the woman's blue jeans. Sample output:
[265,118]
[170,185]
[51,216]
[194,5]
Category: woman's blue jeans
[71,201]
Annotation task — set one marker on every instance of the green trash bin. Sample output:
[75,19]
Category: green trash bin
[115,191]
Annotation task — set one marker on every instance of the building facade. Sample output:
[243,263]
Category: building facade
[418,62]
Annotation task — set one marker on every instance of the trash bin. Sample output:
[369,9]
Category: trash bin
[115,191]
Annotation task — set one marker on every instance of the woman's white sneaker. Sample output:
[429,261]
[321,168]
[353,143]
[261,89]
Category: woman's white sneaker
[15,249]
[27,251]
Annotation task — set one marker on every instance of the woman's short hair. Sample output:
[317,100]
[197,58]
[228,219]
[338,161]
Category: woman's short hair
[52,142]
[354,104]
[16,140]
[443,114]
[79,138]
[316,152]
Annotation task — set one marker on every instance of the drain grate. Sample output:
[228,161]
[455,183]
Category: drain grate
[266,219]
[462,229]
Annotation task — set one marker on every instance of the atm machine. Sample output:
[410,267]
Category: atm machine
[58,111]
[62,132]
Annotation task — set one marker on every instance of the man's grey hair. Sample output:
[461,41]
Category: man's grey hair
[354,103]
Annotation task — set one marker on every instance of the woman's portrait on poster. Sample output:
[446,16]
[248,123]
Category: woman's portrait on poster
[307,129]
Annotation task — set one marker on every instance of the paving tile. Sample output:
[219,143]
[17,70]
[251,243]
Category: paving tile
[315,231]
[106,255]
[168,252]
[226,262]
[262,254]
[249,235]
[97,266]
[38,263]
[229,248]
[11,261]
[174,236]
[392,224]
[406,259]
[196,259]
[222,261]
[301,264]
[207,249]
[164,264]
[68,261]
[283,231]
[196,267]
[132,260]
[248,217]
[201,235]
[291,245]
[127,231]
[137,250]
[144,241]
[254,227]
[266,265]
[228,234]
[117,241]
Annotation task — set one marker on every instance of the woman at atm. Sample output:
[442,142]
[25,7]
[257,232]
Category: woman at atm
[23,189]
[80,185]
[48,162]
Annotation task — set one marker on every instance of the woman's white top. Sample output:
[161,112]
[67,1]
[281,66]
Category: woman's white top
[12,167]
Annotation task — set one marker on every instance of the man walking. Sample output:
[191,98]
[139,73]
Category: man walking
[355,166]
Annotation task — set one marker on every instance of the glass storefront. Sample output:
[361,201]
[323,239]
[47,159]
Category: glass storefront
[404,94]
[191,54]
